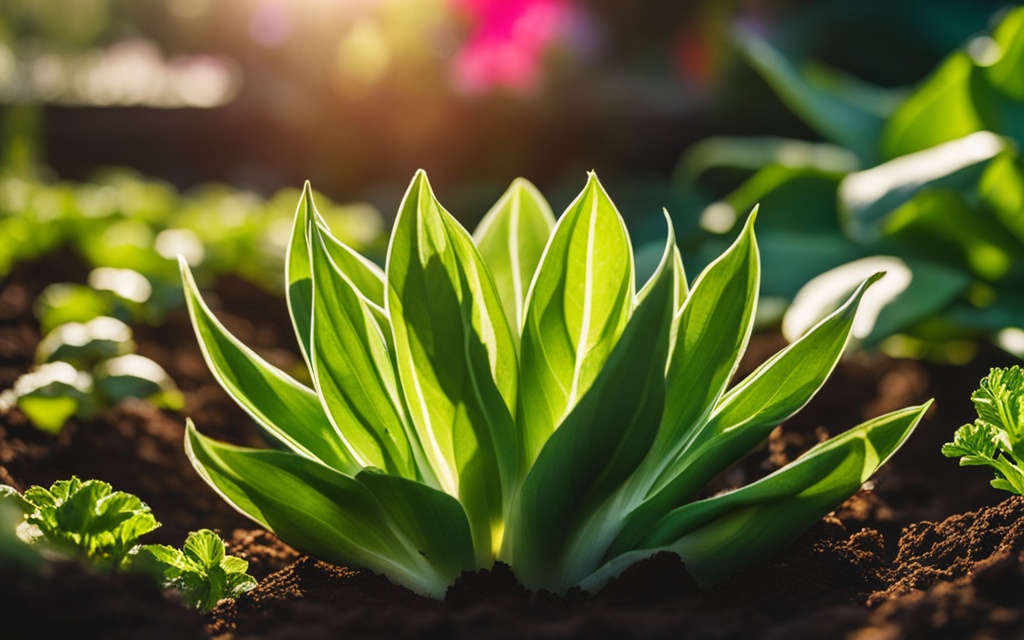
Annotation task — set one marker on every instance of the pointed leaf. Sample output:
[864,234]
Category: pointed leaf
[353,372]
[938,111]
[722,534]
[713,328]
[845,110]
[456,359]
[580,300]
[288,412]
[745,416]
[870,197]
[417,536]
[551,541]
[511,239]
[364,275]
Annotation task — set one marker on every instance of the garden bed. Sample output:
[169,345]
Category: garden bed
[926,550]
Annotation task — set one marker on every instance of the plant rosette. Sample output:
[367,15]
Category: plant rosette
[510,395]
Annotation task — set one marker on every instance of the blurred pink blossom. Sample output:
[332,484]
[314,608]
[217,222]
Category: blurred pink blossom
[507,42]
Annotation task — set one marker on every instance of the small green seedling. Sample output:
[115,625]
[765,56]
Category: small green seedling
[513,395]
[200,571]
[84,367]
[89,520]
[92,523]
[996,438]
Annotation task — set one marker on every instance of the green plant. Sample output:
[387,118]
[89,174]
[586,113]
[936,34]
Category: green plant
[201,571]
[510,395]
[84,367]
[929,176]
[996,438]
[88,520]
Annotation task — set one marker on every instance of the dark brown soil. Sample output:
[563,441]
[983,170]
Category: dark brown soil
[927,550]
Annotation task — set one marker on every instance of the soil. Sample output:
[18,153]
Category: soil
[925,550]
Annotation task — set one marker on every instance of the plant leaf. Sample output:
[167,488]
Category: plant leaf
[456,359]
[745,416]
[713,328]
[511,239]
[869,197]
[719,535]
[911,291]
[363,274]
[289,413]
[359,392]
[579,302]
[551,541]
[845,110]
[418,536]
[938,111]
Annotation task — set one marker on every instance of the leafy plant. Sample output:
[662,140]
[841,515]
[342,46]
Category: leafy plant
[511,395]
[84,367]
[89,520]
[201,571]
[928,176]
[996,438]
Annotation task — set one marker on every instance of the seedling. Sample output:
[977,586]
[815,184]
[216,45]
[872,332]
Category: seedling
[92,523]
[84,367]
[89,520]
[200,571]
[510,395]
[996,438]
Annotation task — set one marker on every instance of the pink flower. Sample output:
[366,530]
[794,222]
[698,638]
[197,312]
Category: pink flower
[507,42]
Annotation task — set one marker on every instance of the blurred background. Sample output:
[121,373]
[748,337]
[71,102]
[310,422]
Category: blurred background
[355,95]
[134,130]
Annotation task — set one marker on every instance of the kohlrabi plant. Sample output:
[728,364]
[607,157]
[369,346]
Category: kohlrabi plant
[996,438]
[510,395]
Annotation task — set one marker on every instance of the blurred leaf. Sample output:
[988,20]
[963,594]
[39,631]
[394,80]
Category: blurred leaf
[84,344]
[939,110]
[64,302]
[868,197]
[910,291]
[130,376]
[755,153]
[845,110]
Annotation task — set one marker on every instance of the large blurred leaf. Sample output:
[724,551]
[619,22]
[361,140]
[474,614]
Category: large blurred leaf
[868,197]
[938,111]
[911,291]
[846,111]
